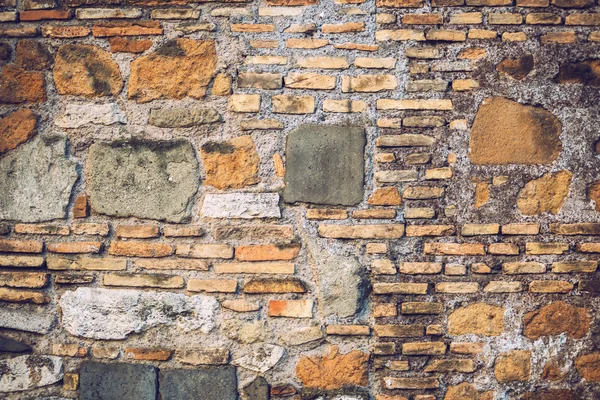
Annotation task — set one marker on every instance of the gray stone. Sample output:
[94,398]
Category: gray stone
[145,179]
[325,165]
[183,117]
[241,205]
[187,384]
[100,381]
[257,390]
[36,180]
[29,372]
[9,345]
[260,358]
[115,313]
[77,115]
[27,318]
[342,280]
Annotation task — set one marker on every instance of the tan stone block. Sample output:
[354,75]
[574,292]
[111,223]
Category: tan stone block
[559,37]
[375,63]
[261,124]
[309,80]
[399,330]
[183,231]
[75,247]
[427,85]
[423,192]
[203,356]
[244,103]
[344,106]
[423,104]
[21,246]
[368,83]
[297,43]
[105,350]
[424,53]
[531,267]
[223,251]
[455,269]
[466,348]
[383,267]
[376,248]
[546,248]
[565,267]
[454,249]
[252,28]
[411,383]
[384,18]
[423,19]
[400,288]
[589,19]
[69,350]
[259,80]
[396,176]
[399,35]
[290,285]
[23,279]
[87,263]
[168,264]
[482,34]
[140,280]
[22,296]
[42,229]
[478,319]
[543,19]
[71,381]
[514,37]
[419,213]
[147,354]
[374,214]
[322,62]
[424,348]
[254,268]
[457,287]
[464,85]
[503,287]
[404,140]
[521,229]
[241,305]
[505,19]
[438,173]
[212,285]
[384,310]
[289,104]
[137,231]
[301,28]
[466,18]
[348,27]
[21,261]
[267,252]
[87,228]
[266,60]
[380,231]
[421,308]
[512,366]
[348,330]
[550,287]
[326,213]
[446,35]
[507,249]
[480,229]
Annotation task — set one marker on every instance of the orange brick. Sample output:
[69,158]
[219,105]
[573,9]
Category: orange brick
[267,252]
[291,308]
[69,350]
[252,28]
[139,353]
[75,247]
[39,15]
[21,246]
[22,296]
[80,206]
[140,249]
[137,231]
[122,45]
[110,29]
[65,32]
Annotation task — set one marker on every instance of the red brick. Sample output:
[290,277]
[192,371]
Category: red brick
[80,207]
[40,15]
[139,353]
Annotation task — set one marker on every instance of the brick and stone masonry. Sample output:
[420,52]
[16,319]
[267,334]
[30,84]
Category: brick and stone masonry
[299,199]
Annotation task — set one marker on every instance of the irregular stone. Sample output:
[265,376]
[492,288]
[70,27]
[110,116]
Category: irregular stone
[593,193]
[20,86]
[115,381]
[300,336]
[36,181]
[556,318]
[325,165]
[29,372]
[245,332]
[585,72]
[478,319]
[241,205]
[257,390]
[115,313]
[32,55]
[588,366]
[545,194]
[517,68]
[78,115]
[334,370]
[231,164]
[16,128]
[260,358]
[466,391]
[513,366]
[506,132]
[183,117]
[9,345]
[215,383]
[551,394]
[144,179]
[86,70]
[28,318]
[180,68]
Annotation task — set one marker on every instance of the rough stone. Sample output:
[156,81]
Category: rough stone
[257,390]
[115,313]
[551,394]
[260,358]
[183,117]
[29,372]
[478,318]
[506,132]
[513,366]
[218,383]
[588,366]
[86,70]
[145,179]
[28,318]
[180,68]
[325,165]
[545,194]
[32,55]
[231,164]
[31,191]
[585,72]
[99,381]
[241,205]
[20,86]
[334,370]
[466,391]
[9,345]
[78,115]
[16,128]
[517,68]
[556,318]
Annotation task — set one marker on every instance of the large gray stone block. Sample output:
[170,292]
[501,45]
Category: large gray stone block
[202,383]
[100,381]
[29,372]
[144,179]
[36,180]
[325,165]
[28,318]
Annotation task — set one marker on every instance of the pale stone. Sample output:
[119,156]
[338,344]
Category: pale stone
[29,372]
[78,115]
[300,336]
[241,205]
[28,318]
[260,358]
[103,13]
[182,117]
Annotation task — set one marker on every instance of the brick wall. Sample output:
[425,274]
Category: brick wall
[299,199]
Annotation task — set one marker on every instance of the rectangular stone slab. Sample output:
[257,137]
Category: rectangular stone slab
[99,381]
[202,383]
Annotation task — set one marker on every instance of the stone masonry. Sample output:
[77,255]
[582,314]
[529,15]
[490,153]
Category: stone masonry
[299,199]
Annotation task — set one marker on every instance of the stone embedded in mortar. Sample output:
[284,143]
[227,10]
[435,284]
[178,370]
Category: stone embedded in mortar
[28,318]
[325,165]
[182,117]
[32,55]
[573,3]
[588,366]
[334,370]
[115,313]
[117,381]
[36,180]
[230,164]
[86,70]
[144,179]
[478,319]
[517,68]
[585,72]
[180,68]
[29,372]
[593,193]
[257,390]
[260,357]
[245,332]
[507,132]
[216,383]
[241,205]
[78,115]
[16,128]
[551,394]
[545,194]
[514,365]
[296,337]
[466,391]
[556,318]
[8,345]
[20,86]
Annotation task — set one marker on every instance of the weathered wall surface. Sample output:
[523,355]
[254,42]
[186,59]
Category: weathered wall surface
[299,199]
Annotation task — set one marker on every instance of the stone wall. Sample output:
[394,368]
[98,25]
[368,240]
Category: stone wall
[299,199]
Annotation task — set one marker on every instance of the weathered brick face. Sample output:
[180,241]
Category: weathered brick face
[299,199]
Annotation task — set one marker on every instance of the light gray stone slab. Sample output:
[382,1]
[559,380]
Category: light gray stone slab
[99,381]
[182,117]
[241,205]
[78,115]
[29,372]
[260,358]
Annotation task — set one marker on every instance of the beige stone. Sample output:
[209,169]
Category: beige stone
[231,164]
[513,366]
[477,318]
[545,194]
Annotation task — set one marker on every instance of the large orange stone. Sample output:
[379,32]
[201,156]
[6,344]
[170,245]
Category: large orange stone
[478,319]
[545,194]
[507,132]
[20,86]
[85,70]
[588,366]
[180,68]
[556,318]
[334,370]
[231,164]
[16,128]
[466,391]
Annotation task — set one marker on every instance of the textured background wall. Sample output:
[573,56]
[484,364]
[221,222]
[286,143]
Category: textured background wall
[299,199]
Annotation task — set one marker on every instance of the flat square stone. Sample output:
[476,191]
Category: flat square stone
[99,381]
[201,383]
[325,165]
